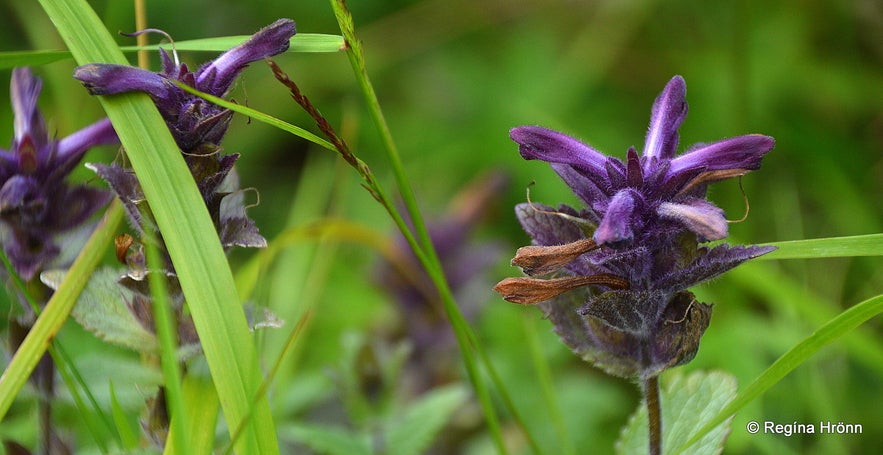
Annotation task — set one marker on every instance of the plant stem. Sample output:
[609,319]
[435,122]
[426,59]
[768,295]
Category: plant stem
[654,419]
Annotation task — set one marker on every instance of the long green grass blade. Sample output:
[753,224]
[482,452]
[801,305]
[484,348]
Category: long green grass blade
[183,219]
[837,327]
[302,42]
[422,246]
[859,245]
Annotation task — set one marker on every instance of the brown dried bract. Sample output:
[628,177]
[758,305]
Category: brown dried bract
[528,291]
[539,260]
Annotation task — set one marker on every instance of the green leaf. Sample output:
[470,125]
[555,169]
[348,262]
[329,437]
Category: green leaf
[12,59]
[124,428]
[328,439]
[258,115]
[101,309]
[859,245]
[687,403]
[302,42]
[835,328]
[425,419]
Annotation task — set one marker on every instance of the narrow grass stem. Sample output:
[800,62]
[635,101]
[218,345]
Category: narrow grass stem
[424,249]
[654,417]
[166,333]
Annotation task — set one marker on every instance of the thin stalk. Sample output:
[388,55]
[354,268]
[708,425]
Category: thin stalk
[141,40]
[654,418]
[547,386]
[425,251]
[166,334]
[430,263]
[292,339]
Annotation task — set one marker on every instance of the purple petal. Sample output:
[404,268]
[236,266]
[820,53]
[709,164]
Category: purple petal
[669,110]
[72,148]
[581,185]
[76,205]
[616,226]
[21,196]
[538,143]
[216,77]
[24,91]
[27,259]
[743,152]
[634,172]
[703,218]
[109,79]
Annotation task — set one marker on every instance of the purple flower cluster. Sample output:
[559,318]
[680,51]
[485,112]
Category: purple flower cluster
[613,277]
[197,126]
[36,204]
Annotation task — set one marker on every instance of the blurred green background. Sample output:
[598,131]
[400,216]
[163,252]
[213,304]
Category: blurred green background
[453,76]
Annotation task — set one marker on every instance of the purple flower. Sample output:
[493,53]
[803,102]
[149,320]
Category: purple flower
[615,273]
[197,126]
[191,119]
[35,202]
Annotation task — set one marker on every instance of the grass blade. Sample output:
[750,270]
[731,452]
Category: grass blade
[302,42]
[837,327]
[198,258]
[859,245]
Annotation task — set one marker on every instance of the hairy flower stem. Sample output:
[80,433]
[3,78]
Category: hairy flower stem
[654,418]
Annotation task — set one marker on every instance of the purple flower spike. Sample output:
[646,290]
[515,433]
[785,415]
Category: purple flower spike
[617,271]
[192,120]
[36,204]
[669,110]
[656,178]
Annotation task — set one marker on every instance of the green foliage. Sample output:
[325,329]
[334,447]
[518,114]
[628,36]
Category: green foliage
[452,78]
[834,329]
[332,440]
[369,378]
[302,42]
[101,309]
[687,402]
[413,434]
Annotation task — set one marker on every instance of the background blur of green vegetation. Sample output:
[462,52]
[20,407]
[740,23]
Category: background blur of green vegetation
[453,76]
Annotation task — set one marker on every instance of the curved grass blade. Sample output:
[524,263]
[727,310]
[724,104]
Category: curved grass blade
[421,246]
[259,116]
[835,328]
[198,258]
[302,42]
[859,245]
